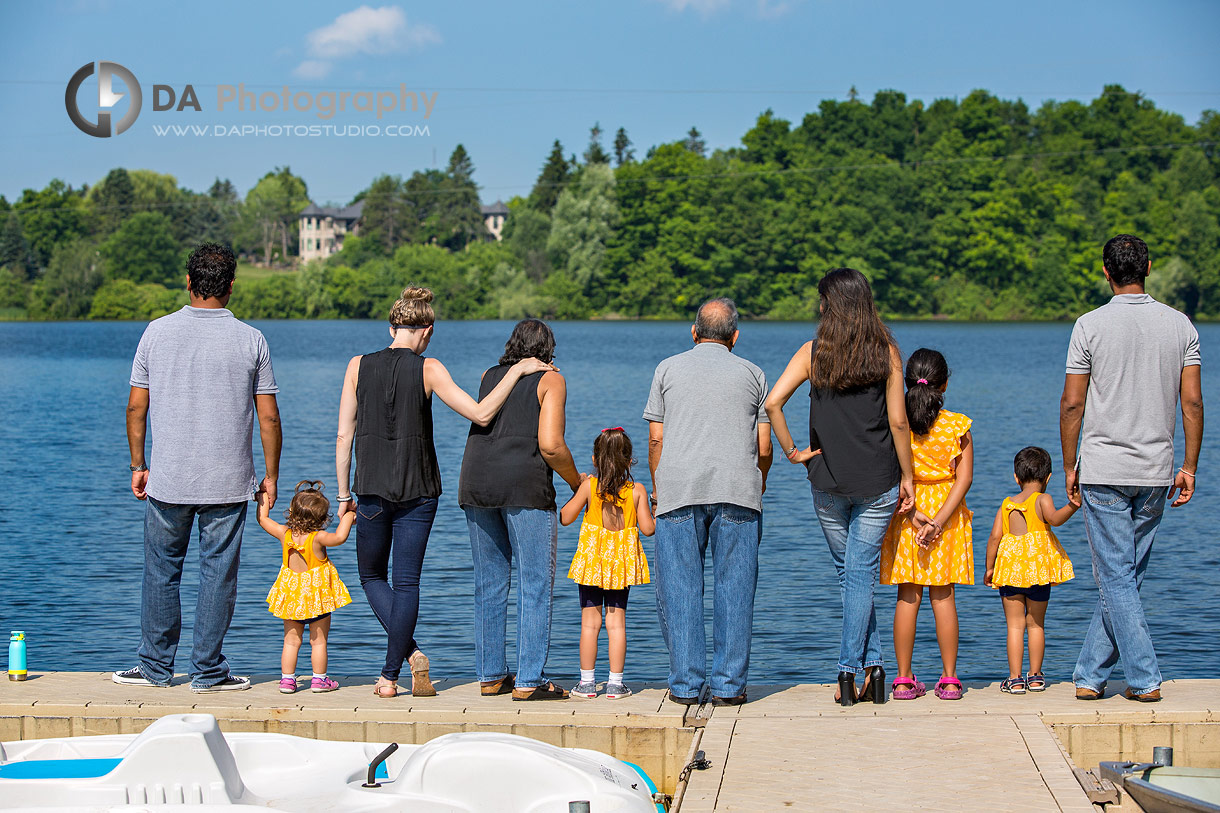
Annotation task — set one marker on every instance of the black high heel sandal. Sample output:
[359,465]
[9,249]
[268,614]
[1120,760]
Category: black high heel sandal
[847,688]
[875,690]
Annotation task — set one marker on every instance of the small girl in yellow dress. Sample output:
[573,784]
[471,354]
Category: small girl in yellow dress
[932,546]
[308,588]
[609,557]
[1024,558]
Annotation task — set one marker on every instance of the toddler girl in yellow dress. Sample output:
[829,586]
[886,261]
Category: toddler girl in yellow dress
[932,546]
[609,558]
[308,588]
[1024,558]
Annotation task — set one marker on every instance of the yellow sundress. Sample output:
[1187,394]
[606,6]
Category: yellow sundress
[1035,557]
[949,559]
[315,591]
[609,559]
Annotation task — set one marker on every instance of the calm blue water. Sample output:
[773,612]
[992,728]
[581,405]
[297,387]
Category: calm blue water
[70,531]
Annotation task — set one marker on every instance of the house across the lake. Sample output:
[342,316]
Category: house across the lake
[323,229]
[494,217]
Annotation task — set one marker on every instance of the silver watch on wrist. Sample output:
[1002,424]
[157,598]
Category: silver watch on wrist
[141,467]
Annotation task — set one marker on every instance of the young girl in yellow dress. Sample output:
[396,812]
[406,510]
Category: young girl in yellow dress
[308,588]
[609,558]
[931,546]
[1024,559]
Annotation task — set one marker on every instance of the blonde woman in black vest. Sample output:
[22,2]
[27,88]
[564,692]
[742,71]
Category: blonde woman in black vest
[386,409]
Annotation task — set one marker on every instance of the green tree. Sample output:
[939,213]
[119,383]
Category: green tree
[54,215]
[143,250]
[387,218]
[458,217]
[583,221]
[594,153]
[695,143]
[272,212]
[551,180]
[623,154]
[66,290]
[113,199]
[14,250]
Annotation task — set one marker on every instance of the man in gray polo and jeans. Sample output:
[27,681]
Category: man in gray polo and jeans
[200,374]
[709,449]
[1128,362]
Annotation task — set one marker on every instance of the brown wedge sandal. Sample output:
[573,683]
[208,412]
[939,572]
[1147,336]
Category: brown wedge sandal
[421,684]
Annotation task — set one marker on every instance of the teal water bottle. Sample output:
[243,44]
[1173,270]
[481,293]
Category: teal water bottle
[16,656]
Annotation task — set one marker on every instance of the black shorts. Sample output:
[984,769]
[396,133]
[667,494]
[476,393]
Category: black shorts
[591,596]
[1039,592]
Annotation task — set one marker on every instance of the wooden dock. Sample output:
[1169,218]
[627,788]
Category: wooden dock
[790,748]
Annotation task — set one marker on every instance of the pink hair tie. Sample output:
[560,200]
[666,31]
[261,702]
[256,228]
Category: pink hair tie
[922,381]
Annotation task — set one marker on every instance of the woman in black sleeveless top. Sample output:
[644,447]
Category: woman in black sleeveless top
[859,456]
[386,408]
[507,493]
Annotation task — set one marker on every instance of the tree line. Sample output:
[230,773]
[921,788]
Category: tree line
[977,208]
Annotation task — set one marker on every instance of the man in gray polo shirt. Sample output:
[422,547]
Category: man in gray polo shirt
[200,374]
[1128,362]
[709,449]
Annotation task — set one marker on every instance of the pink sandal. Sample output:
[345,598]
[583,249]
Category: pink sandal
[948,688]
[916,689]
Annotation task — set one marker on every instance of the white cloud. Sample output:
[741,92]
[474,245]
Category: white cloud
[704,7]
[364,31]
[313,69]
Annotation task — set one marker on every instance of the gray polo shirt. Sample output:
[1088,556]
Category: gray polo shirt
[1133,350]
[711,403]
[202,368]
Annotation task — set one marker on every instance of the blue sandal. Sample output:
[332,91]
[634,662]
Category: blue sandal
[1035,682]
[1014,685]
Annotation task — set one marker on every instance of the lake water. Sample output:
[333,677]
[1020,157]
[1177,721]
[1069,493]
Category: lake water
[71,544]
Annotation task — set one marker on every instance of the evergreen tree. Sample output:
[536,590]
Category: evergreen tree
[694,142]
[14,250]
[551,180]
[386,218]
[113,200]
[460,220]
[623,154]
[594,154]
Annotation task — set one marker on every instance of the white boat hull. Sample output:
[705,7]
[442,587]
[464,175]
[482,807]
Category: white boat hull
[184,759]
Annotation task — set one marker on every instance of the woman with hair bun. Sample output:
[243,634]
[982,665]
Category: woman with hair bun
[386,409]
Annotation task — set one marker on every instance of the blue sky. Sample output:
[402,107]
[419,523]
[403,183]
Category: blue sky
[510,77]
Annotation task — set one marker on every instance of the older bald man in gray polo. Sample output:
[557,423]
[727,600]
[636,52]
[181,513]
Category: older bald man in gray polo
[709,449]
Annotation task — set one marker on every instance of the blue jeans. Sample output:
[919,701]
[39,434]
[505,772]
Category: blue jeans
[682,540]
[854,528]
[167,532]
[495,535]
[1120,522]
[399,530]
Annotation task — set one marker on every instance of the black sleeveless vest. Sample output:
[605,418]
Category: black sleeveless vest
[395,455]
[503,466]
[852,428]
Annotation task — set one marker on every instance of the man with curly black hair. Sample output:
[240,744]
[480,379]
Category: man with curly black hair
[200,375]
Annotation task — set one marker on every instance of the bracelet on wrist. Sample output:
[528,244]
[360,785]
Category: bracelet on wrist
[348,498]
[1188,473]
[790,452]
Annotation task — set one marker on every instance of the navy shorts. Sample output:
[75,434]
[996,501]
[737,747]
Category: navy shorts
[591,596]
[311,620]
[1039,592]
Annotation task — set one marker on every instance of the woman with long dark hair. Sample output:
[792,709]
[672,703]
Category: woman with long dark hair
[386,408]
[507,492]
[859,456]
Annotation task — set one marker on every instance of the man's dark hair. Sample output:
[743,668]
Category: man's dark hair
[716,320]
[1126,258]
[1032,465]
[531,338]
[211,270]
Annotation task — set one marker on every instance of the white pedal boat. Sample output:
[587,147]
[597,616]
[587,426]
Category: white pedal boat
[184,759]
